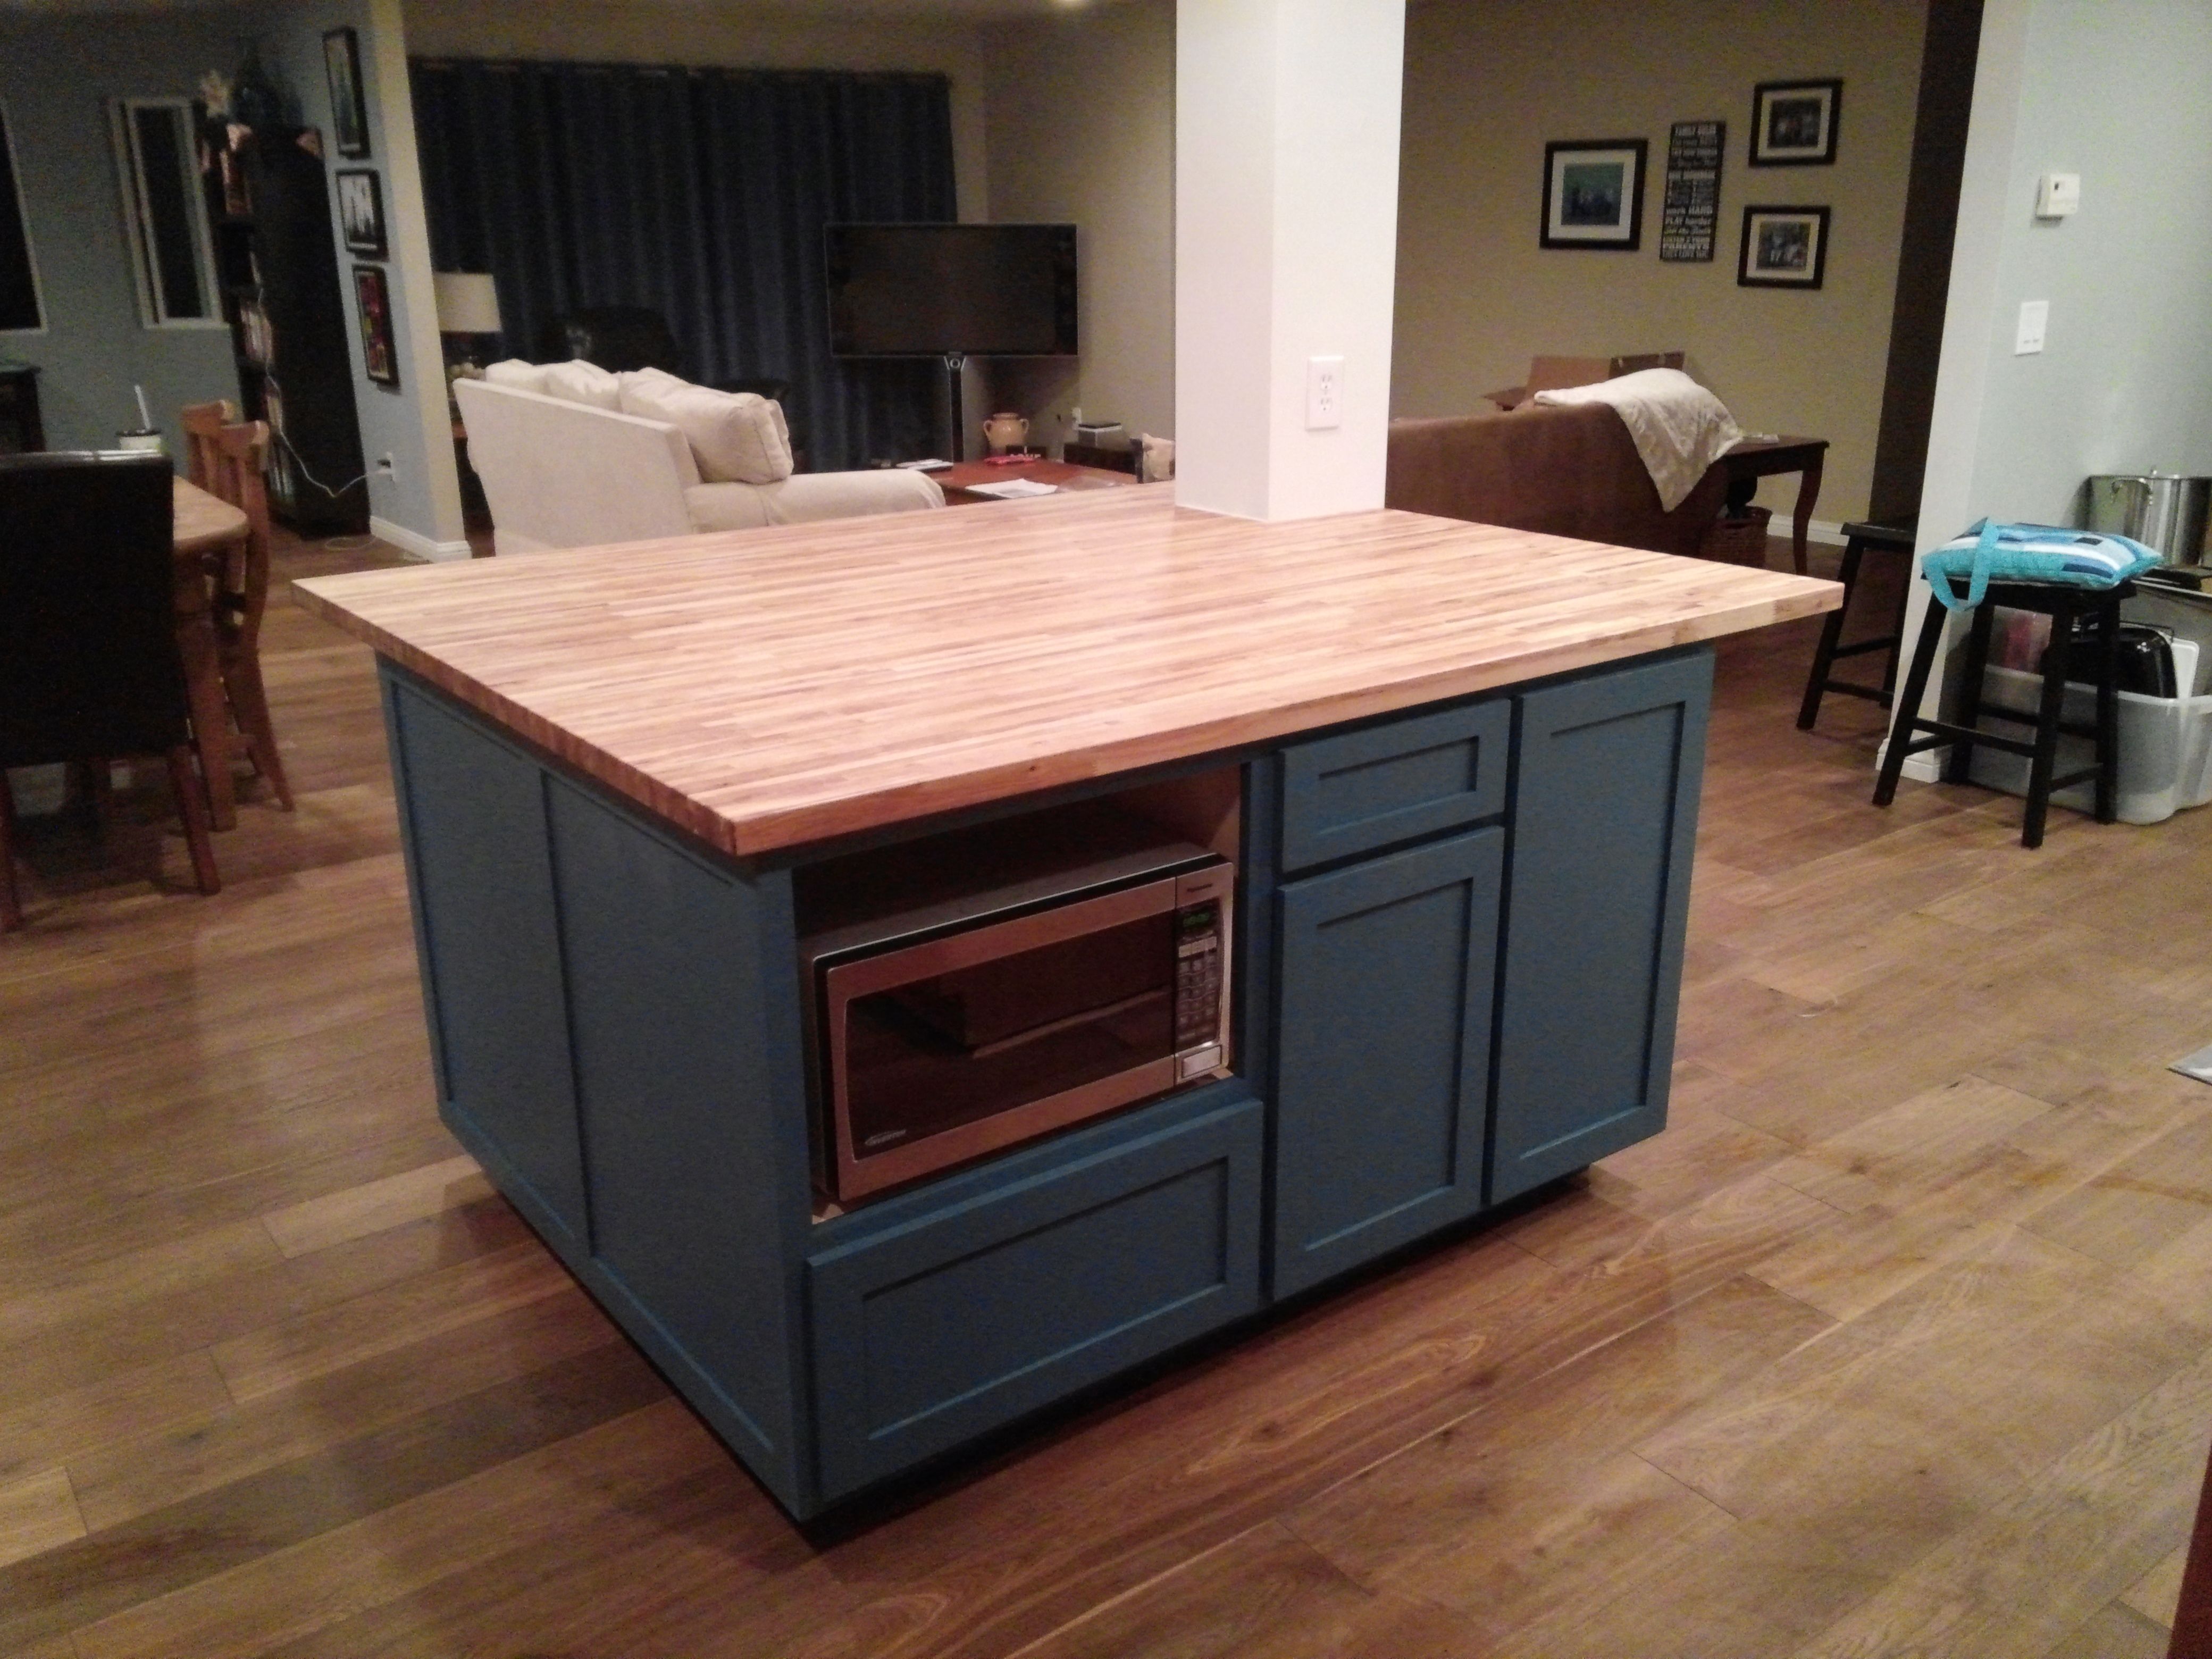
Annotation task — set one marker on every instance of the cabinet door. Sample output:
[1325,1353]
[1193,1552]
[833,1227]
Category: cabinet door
[1605,820]
[1383,1053]
[1015,1293]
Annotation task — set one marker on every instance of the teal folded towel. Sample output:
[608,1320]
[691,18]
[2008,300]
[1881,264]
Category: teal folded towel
[1990,551]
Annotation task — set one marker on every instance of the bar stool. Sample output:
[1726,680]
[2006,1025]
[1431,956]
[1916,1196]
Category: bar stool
[1859,539]
[2063,605]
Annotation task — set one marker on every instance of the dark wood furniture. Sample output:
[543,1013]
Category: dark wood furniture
[1911,732]
[277,264]
[1106,460]
[228,460]
[1859,540]
[956,480]
[1754,458]
[90,668]
[21,430]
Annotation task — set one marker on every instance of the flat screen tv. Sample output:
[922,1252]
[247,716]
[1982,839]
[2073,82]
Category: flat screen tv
[931,290]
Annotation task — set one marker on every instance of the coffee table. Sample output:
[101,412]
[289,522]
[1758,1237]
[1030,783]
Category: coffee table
[1754,458]
[957,480]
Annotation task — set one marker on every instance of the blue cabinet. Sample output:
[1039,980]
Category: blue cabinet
[1465,988]
[1382,785]
[1382,1067]
[1605,822]
[1010,1294]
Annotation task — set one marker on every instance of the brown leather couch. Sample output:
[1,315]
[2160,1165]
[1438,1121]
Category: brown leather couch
[1566,471]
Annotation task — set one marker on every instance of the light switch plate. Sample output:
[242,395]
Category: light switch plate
[2034,322]
[2058,194]
[1324,393]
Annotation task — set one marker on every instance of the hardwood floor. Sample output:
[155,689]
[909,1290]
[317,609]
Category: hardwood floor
[1898,1341]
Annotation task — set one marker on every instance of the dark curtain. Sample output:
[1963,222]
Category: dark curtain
[703,194]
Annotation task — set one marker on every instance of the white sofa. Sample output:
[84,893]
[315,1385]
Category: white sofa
[561,474]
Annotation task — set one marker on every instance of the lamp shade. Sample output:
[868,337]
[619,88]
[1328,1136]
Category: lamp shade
[468,302]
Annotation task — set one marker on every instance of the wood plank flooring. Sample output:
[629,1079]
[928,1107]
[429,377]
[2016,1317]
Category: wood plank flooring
[1898,1341]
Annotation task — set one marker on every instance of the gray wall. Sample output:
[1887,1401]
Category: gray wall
[2113,90]
[56,75]
[419,503]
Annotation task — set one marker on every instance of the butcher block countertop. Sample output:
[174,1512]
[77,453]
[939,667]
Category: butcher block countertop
[766,689]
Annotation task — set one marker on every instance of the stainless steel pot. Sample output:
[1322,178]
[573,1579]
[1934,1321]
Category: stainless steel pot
[2164,511]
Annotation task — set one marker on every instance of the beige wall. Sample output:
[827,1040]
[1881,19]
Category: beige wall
[753,37]
[1081,127]
[1487,85]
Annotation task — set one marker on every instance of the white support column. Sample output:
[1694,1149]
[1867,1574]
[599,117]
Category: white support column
[1287,226]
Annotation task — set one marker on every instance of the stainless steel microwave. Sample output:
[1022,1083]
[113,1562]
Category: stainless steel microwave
[976,989]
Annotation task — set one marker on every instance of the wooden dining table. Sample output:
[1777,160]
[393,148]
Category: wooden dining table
[205,525]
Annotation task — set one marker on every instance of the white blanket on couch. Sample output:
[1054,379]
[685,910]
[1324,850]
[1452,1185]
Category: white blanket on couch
[1680,429]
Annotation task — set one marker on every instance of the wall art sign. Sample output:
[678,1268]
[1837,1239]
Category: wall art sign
[361,212]
[348,101]
[1793,123]
[1784,247]
[1690,213]
[1594,194]
[379,356]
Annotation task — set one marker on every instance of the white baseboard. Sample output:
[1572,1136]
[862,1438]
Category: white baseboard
[1926,767]
[415,542]
[1816,530]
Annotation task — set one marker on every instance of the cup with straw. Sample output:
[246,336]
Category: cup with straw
[146,435]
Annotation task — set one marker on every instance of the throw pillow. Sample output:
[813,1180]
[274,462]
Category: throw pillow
[581,382]
[523,377]
[735,436]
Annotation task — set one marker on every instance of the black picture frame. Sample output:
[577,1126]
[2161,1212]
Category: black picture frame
[1783,246]
[1596,212]
[348,101]
[380,352]
[361,212]
[1794,122]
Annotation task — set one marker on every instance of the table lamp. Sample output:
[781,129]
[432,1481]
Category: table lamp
[468,307]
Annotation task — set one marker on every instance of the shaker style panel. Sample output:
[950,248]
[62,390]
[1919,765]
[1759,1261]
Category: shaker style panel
[969,1315]
[1382,785]
[487,928]
[1605,824]
[1383,1053]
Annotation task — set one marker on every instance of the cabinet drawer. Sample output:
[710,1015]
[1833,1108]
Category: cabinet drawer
[961,1319]
[1391,783]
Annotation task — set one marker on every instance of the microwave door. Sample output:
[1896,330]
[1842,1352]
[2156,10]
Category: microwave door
[948,1049]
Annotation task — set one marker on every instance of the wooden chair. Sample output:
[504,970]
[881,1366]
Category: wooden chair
[88,659]
[229,460]
[203,425]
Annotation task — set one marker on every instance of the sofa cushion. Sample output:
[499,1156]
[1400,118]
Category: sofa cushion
[579,382]
[523,377]
[736,436]
[724,506]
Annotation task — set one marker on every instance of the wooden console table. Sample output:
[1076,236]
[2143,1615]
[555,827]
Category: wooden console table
[1759,458]
[958,481]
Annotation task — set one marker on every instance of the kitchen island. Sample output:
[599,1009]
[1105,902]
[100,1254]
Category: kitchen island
[1456,768]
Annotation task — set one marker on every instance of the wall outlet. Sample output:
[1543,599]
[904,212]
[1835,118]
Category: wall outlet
[1324,393]
[2034,322]
[2058,194]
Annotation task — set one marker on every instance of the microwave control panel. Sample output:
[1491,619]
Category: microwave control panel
[1201,960]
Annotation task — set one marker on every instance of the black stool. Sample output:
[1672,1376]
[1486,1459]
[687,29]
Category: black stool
[2063,605]
[1858,540]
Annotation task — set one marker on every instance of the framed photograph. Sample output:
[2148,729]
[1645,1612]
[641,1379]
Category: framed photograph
[1594,194]
[348,105]
[380,357]
[361,212]
[1783,247]
[1793,123]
